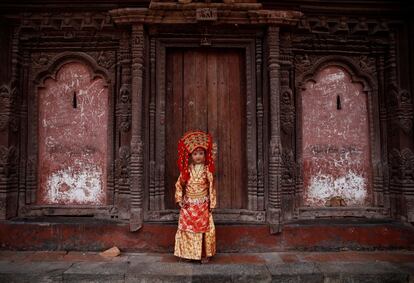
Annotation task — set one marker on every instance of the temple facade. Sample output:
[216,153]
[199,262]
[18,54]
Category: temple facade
[310,104]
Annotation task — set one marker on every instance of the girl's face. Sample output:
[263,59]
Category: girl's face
[198,156]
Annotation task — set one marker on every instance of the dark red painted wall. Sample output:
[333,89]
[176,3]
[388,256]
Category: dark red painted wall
[336,151]
[73,118]
[92,235]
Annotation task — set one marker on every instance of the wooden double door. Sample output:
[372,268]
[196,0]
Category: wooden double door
[205,89]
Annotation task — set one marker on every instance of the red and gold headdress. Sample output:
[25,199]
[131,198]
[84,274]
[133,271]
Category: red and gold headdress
[187,144]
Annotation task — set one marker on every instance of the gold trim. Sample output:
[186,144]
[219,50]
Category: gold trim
[198,194]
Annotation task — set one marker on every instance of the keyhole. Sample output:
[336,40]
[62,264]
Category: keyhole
[338,102]
[75,100]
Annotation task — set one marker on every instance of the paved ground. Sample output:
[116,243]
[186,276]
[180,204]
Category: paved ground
[344,266]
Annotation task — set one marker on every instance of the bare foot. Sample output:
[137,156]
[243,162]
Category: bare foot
[205,260]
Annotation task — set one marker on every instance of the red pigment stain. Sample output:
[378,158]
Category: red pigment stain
[72,128]
[336,152]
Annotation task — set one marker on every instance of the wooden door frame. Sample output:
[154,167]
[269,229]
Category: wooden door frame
[155,116]
[187,25]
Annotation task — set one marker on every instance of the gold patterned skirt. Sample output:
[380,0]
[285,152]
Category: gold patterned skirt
[189,244]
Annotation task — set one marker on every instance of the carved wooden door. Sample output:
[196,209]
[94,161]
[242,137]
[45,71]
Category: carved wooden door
[205,90]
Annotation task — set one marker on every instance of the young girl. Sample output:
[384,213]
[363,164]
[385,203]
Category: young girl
[196,196]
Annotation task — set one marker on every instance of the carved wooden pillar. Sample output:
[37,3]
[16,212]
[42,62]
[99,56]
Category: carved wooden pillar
[273,209]
[287,135]
[152,112]
[259,204]
[160,95]
[401,155]
[251,141]
[26,165]
[122,192]
[390,73]
[9,153]
[384,198]
[137,160]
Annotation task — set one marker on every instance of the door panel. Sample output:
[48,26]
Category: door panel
[336,148]
[73,115]
[205,90]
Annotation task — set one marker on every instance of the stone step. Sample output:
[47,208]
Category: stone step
[380,266]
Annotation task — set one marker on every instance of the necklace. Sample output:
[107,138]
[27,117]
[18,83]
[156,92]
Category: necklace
[197,173]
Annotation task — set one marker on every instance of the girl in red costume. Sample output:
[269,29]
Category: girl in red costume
[196,196]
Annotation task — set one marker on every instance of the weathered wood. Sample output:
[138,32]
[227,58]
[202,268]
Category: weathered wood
[170,13]
[123,135]
[137,158]
[175,114]
[204,92]
[275,150]
[259,204]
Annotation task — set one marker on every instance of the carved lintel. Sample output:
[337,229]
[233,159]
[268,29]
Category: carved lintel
[341,25]
[206,14]
[36,23]
[241,13]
